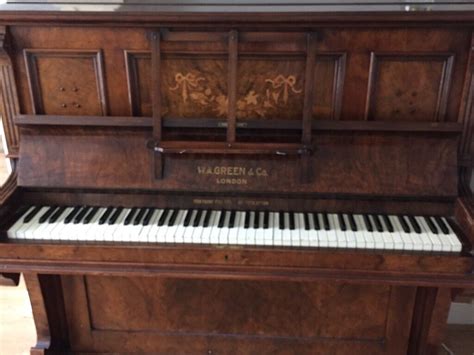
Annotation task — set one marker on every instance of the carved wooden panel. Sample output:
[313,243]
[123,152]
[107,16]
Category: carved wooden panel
[409,86]
[328,85]
[66,82]
[203,316]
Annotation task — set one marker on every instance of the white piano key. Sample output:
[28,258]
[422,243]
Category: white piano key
[153,230]
[286,232]
[402,240]
[206,233]
[425,238]
[378,237]
[455,242]
[268,232]
[324,235]
[364,238]
[171,234]
[28,231]
[277,232]
[12,231]
[313,234]
[250,231]
[189,230]
[260,231]
[234,232]
[215,230]
[295,233]
[446,244]
[435,241]
[340,237]
[389,243]
[350,234]
[224,230]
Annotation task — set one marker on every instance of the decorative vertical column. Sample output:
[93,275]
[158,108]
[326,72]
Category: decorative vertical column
[9,106]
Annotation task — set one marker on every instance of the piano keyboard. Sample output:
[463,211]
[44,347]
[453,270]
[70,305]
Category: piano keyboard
[194,226]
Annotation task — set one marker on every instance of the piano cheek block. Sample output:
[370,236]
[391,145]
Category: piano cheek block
[253,178]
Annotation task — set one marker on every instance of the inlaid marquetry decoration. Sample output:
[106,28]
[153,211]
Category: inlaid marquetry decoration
[194,87]
[270,89]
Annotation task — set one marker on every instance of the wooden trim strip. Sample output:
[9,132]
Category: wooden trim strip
[187,147]
[319,125]
[232,86]
[308,89]
[156,81]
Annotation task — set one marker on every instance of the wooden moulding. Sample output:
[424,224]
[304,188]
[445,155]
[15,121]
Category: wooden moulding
[319,125]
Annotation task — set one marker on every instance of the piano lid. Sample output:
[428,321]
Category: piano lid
[238,6]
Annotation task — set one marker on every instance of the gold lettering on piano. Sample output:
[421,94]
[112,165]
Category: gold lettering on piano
[231,171]
[232,175]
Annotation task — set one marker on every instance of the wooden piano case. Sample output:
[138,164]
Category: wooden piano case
[343,114]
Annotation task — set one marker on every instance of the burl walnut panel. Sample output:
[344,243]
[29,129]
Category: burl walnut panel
[356,163]
[178,316]
[66,82]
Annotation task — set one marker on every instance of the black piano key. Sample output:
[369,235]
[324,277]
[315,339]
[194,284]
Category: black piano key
[162,219]
[72,214]
[281,219]
[342,223]
[431,226]
[45,216]
[306,221]
[404,224]
[113,218]
[378,224]
[316,222]
[368,223]
[292,220]
[414,224]
[326,224]
[207,218]
[80,216]
[352,222]
[55,216]
[232,219]
[105,216]
[256,220]
[388,223]
[197,219]
[266,219]
[129,217]
[90,215]
[442,225]
[247,220]
[138,218]
[221,219]
[32,214]
[187,218]
[148,215]
[172,219]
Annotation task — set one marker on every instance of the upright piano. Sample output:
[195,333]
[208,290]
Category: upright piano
[238,177]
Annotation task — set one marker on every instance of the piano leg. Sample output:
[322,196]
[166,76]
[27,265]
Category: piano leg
[429,320]
[47,304]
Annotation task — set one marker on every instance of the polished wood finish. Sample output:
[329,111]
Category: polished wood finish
[290,109]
